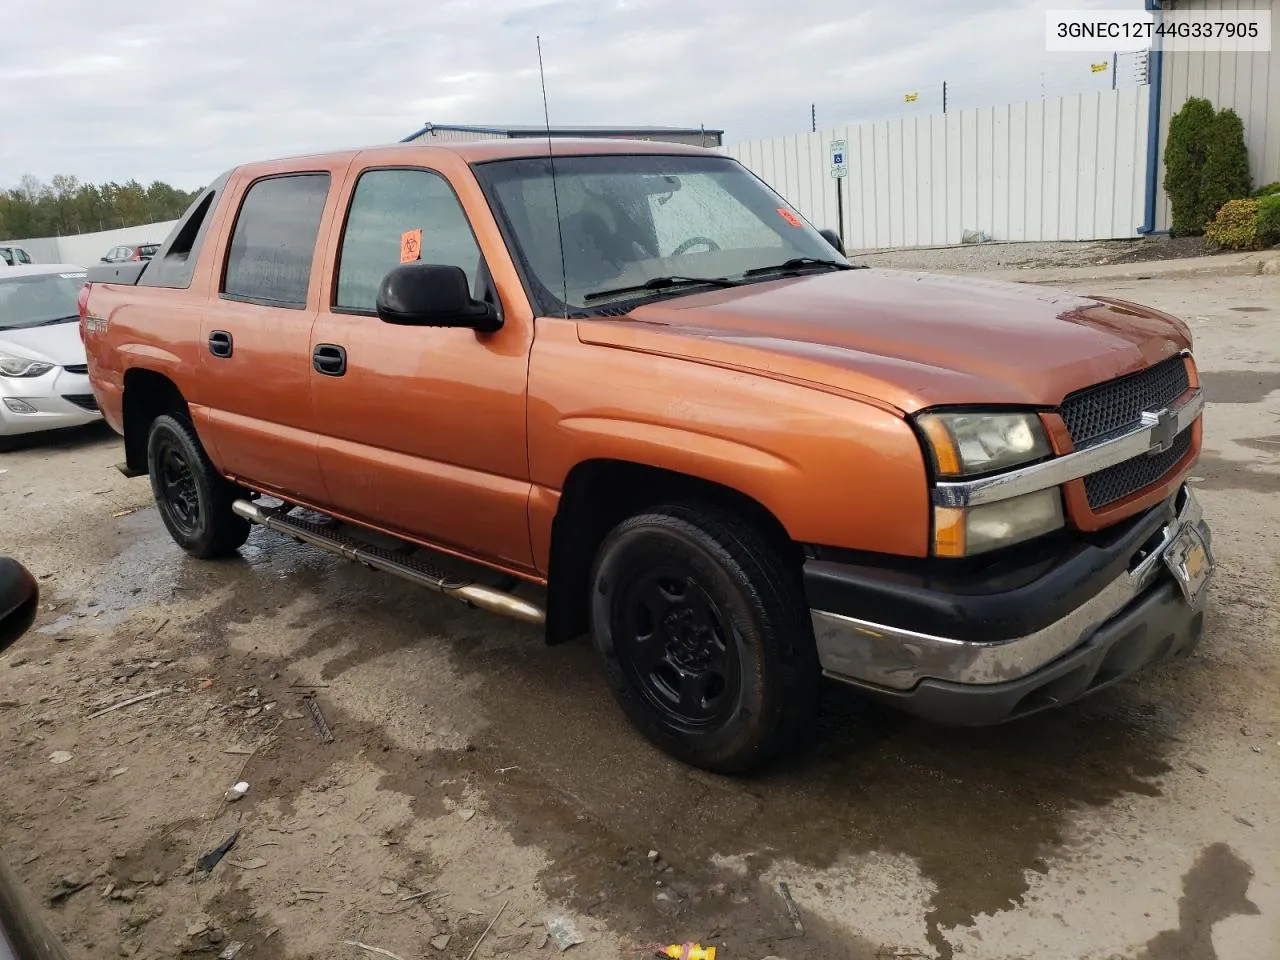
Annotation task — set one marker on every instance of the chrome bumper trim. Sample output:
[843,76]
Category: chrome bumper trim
[899,659]
[1144,438]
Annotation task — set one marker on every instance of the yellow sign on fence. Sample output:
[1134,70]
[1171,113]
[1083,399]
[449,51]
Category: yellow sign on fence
[912,97]
[1097,67]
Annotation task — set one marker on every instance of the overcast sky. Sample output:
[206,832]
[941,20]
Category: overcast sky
[183,89]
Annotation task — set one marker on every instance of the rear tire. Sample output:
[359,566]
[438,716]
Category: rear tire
[705,635]
[193,498]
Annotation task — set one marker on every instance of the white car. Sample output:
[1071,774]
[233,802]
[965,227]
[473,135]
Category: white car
[14,256]
[44,377]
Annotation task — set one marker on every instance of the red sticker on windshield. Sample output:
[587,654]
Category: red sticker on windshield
[788,216]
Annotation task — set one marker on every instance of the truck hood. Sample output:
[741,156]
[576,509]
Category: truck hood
[58,343]
[903,339]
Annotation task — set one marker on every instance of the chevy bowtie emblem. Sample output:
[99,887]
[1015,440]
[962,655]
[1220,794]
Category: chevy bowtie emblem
[1164,427]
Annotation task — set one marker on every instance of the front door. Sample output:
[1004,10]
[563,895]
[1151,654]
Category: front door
[255,338]
[422,430]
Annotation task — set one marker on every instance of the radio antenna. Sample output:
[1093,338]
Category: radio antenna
[555,193]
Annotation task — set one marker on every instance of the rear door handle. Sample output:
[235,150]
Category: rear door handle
[220,343]
[329,359]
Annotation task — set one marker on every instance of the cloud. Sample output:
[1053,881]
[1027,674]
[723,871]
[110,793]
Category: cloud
[182,91]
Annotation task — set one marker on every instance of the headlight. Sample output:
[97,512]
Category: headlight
[969,443]
[964,531]
[11,366]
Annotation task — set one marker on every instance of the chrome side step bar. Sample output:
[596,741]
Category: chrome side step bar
[407,567]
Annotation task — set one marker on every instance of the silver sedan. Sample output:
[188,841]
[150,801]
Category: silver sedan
[44,382]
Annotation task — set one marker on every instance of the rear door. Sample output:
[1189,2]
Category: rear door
[422,428]
[255,336]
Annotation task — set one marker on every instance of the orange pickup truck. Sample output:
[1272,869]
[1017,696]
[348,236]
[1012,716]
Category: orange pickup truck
[625,389]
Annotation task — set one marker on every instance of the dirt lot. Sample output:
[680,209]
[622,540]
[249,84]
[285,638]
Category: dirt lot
[475,772]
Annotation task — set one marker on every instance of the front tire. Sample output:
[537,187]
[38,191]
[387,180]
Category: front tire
[705,636]
[193,498]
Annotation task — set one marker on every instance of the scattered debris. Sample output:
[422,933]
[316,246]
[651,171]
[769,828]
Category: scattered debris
[1241,820]
[687,951]
[1199,769]
[792,910]
[539,940]
[564,933]
[441,942]
[234,947]
[236,792]
[238,751]
[130,702]
[416,896]
[206,683]
[211,859]
[253,863]
[501,910]
[66,886]
[197,928]
[123,513]
[60,756]
[111,888]
[653,856]
[378,950]
[326,736]
[389,889]
[117,772]
[466,813]
[502,770]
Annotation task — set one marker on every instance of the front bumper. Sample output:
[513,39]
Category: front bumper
[985,648]
[58,399]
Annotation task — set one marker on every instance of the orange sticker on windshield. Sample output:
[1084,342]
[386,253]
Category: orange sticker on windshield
[788,216]
[410,245]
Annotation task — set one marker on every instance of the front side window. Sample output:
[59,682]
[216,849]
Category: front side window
[626,220]
[387,205]
[22,256]
[274,241]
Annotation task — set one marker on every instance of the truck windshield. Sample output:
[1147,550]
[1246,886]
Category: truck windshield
[34,300]
[628,220]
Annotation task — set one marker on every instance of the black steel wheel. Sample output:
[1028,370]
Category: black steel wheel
[705,636]
[193,498]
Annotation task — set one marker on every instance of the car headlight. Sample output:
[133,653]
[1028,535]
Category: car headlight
[11,366]
[965,531]
[964,444]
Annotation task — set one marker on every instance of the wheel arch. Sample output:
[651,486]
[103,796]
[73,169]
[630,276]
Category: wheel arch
[597,495]
[147,395]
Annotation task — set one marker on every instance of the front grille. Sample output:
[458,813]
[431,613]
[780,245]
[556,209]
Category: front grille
[76,368]
[86,401]
[1095,413]
[1116,483]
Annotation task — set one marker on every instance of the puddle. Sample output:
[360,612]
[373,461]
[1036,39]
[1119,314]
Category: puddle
[1238,386]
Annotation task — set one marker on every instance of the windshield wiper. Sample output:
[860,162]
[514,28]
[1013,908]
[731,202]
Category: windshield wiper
[51,322]
[795,263]
[661,283]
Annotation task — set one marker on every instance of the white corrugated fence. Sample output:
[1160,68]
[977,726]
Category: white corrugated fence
[1065,168]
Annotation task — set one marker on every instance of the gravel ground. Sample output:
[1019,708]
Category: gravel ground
[1030,256]
[476,772]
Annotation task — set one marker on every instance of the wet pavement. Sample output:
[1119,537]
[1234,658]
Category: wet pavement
[1142,822]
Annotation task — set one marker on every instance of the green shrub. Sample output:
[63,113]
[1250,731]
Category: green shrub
[1269,190]
[1269,218]
[1184,157]
[1236,226]
[1226,165]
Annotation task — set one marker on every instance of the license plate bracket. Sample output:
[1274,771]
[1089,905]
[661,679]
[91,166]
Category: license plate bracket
[1190,560]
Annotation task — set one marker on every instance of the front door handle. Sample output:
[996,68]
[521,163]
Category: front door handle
[329,359]
[220,343]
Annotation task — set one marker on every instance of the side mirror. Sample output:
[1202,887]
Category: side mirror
[19,600]
[433,295]
[105,259]
[833,238]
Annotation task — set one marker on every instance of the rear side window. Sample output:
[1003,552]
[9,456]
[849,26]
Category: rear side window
[386,205]
[174,264]
[274,241]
